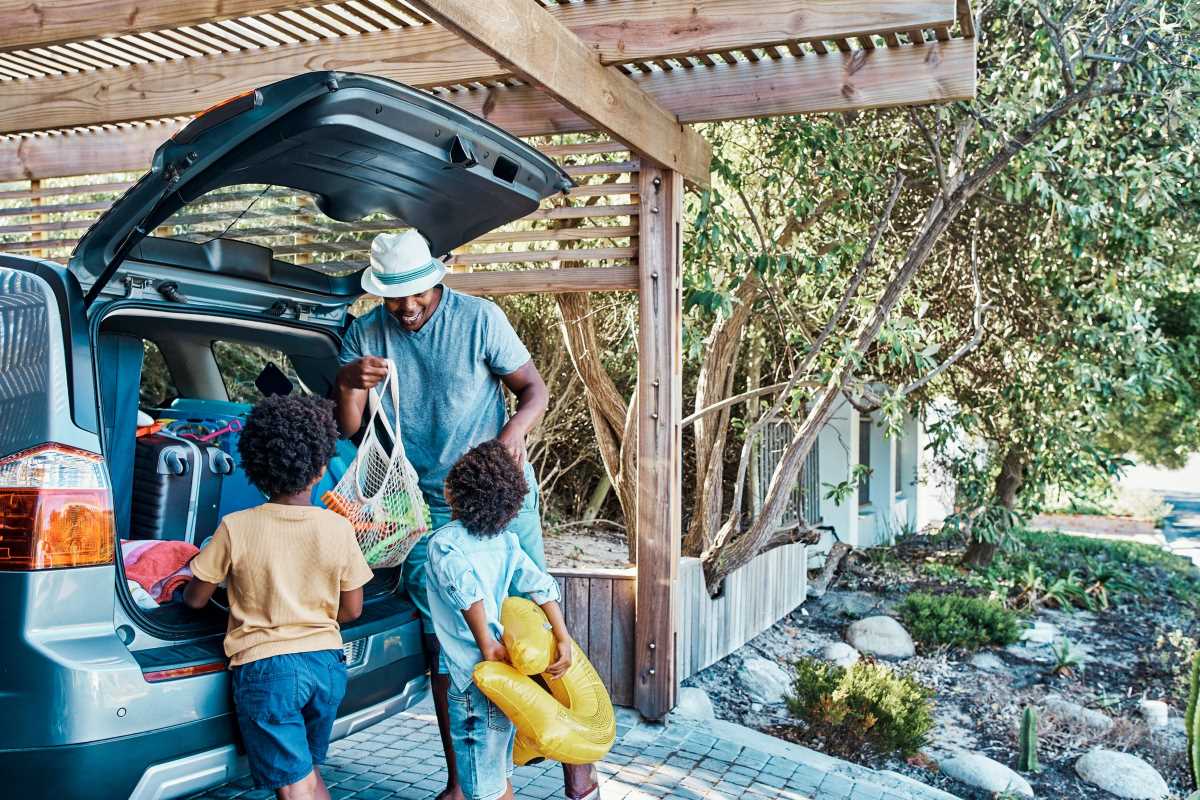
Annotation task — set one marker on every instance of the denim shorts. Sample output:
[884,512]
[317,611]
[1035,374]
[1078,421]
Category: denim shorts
[482,738]
[286,706]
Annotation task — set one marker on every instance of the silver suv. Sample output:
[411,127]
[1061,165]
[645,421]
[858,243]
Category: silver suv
[105,695]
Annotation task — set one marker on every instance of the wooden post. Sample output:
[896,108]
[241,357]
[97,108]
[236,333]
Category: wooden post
[35,186]
[660,403]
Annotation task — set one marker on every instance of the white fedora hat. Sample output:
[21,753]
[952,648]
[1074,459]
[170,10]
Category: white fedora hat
[401,265]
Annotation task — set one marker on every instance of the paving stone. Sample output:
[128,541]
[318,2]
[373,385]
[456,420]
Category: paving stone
[401,759]
[411,793]
[836,783]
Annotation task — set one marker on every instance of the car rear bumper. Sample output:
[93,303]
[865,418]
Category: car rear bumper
[194,773]
[188,758]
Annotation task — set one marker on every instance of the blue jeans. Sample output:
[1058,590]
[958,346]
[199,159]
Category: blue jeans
[286,706]
[482,738]
[527,526]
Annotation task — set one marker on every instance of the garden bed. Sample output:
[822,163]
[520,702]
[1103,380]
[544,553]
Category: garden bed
[1127,612]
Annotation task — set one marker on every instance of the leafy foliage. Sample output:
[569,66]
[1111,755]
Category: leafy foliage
[1063,571]
[1066,660]
[957,620]
[864,705]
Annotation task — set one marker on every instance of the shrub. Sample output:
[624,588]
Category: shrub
[953,619]
[864,705]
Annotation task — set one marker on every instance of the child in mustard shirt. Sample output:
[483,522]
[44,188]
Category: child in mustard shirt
[294,573]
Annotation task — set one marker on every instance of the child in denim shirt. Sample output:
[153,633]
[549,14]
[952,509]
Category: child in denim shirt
[475,562]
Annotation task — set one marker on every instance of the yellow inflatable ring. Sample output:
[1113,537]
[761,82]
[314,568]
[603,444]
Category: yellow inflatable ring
[573,723]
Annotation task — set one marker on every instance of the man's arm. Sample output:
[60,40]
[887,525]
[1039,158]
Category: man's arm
[532,398]
[353,381]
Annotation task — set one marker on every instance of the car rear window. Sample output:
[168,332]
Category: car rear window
[241,364]
[285,220]
[157,388]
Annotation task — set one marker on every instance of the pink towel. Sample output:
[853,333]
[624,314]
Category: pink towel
[132,550]
[162,567]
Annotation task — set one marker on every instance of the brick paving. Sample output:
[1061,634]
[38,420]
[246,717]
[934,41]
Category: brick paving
[401,759]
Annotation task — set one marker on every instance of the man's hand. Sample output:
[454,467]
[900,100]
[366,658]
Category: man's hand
[514,442]
[563,661]
[363,373]
[494,651]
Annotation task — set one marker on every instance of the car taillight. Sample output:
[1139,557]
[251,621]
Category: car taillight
[160,675]
[55,509]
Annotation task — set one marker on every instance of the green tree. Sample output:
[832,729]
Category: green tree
[1082,119]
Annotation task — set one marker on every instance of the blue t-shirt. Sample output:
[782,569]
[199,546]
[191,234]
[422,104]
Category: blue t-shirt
[449,371]
[464,569]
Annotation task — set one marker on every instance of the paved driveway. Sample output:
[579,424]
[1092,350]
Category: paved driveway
[401,758]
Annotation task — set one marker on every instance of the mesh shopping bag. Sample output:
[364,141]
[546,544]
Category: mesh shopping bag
[379,492]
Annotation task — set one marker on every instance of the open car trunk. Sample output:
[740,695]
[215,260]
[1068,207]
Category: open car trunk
[152,504]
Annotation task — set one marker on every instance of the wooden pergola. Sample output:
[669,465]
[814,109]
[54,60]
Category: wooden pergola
[90,87]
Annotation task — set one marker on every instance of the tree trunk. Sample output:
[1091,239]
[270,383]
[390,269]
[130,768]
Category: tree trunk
[611,415]
[715,383]
[596,501]
[754,381]
[1008,485]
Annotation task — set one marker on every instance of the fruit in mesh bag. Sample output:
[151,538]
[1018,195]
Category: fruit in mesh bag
[354,512]
[402,511]
[338,504]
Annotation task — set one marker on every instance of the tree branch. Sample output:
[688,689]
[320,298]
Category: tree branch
[976,339]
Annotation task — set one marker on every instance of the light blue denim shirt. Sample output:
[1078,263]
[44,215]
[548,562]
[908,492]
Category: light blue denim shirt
[464,569]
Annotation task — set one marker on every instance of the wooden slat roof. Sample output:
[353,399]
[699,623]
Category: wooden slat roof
[700,59]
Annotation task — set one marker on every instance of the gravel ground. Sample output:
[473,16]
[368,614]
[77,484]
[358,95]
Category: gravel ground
[1125,655]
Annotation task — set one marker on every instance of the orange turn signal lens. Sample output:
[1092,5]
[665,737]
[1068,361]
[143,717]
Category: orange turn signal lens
[55,509]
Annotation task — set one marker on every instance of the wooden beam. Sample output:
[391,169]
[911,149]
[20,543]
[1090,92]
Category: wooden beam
[838,82]
[887,76]
[544,52]
[659,409]
[424,56]
[545,281]
[91,152]
[616,31]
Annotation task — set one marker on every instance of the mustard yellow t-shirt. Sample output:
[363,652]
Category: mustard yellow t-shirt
[284,567]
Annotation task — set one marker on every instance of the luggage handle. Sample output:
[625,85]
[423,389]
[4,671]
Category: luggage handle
[219,462]
[170,462]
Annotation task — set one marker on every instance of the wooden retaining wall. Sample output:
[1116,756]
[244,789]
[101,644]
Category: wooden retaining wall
[598,605]
[756,597]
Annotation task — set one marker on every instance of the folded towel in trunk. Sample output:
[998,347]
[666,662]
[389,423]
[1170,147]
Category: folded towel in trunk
[161,567]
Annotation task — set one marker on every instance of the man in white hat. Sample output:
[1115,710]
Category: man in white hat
[454,354]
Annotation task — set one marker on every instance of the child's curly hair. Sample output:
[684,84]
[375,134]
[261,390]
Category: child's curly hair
[485,488]
[286,443]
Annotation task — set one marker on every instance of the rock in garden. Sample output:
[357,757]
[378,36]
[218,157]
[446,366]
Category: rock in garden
[1122,774]
[1154,712]
[1088,719]
[982,772]
[694,704]
[1040,633]
[764,680]
[840,653]
[880,636]
[850,604]
[988,662]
